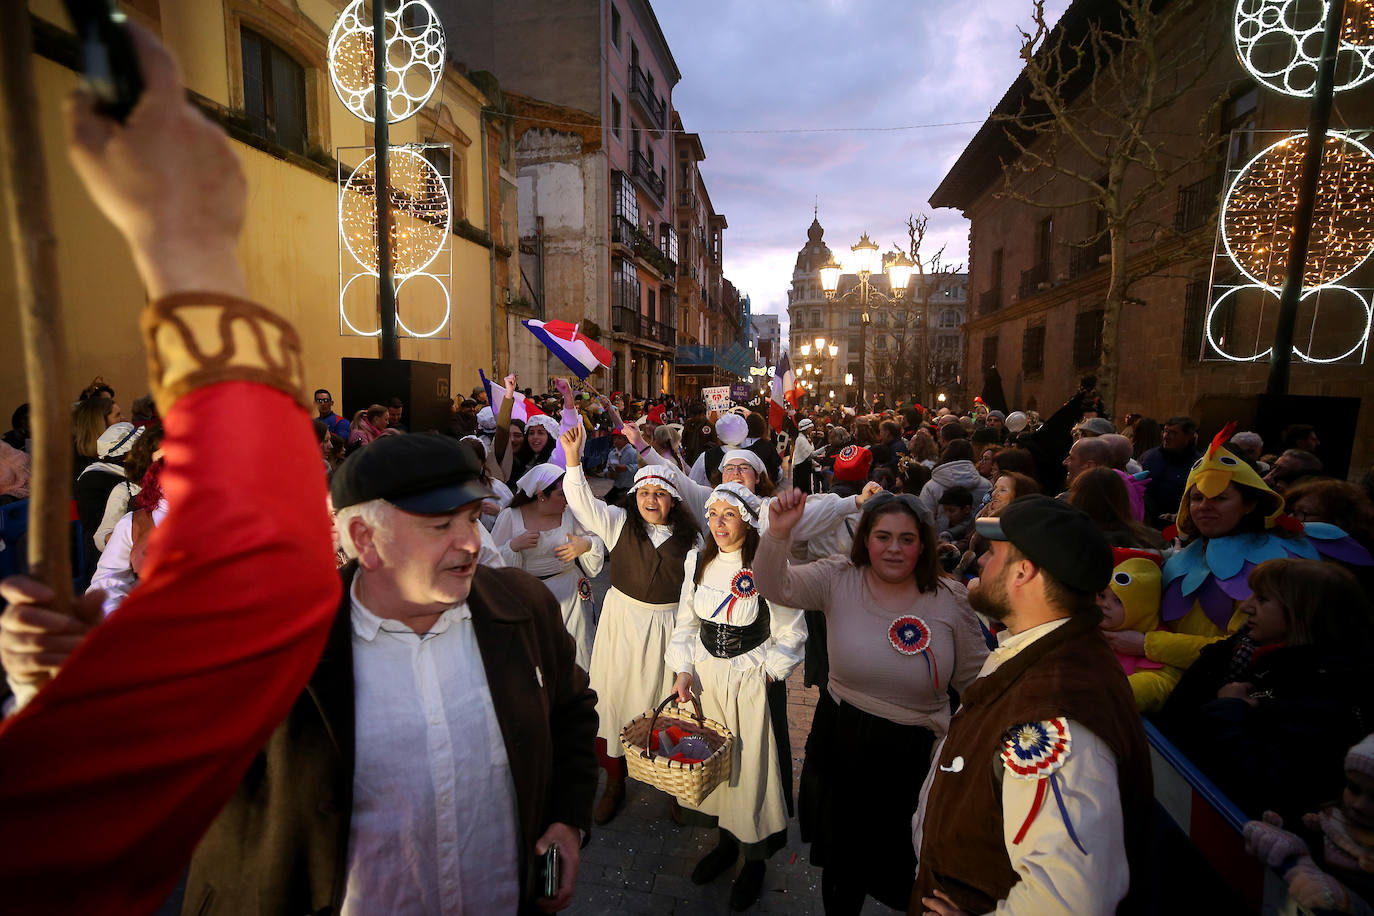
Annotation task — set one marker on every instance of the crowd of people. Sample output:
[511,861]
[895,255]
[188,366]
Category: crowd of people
[989,604]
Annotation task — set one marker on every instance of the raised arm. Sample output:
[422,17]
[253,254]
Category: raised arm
[686,629]
[114,770]
[802,586]
[606,522]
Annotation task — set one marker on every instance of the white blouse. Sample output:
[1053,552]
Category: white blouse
[779,654]
[540,559]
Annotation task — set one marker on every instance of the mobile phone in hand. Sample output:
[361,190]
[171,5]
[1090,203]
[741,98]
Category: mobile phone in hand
[551,872]
[109,64]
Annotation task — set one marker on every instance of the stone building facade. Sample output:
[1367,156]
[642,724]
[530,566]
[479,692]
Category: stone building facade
[607,61]
[1038,276]
[913,347]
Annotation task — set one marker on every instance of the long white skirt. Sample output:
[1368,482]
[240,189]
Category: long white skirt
[577,616]
[628,672]
[751,805]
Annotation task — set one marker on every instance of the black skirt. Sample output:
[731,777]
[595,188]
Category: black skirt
[860,786]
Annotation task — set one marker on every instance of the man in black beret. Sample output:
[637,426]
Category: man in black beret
[445,740]
[1041,793]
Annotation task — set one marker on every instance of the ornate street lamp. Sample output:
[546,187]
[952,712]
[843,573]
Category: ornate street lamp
[867,261]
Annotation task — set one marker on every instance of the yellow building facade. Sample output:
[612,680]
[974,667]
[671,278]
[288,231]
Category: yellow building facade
[290,244]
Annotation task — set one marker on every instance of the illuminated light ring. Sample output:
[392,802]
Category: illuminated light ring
[1284,218]
[1360,341]
[355,237]
[448,306]
[1261,24]
[343,313]
[350,60]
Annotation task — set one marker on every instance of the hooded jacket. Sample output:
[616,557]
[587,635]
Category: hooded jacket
[946,476]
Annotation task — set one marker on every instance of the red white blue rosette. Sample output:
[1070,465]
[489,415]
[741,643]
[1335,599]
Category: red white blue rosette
[741,586]
[910,635]
[848,452]
[1035,749]
[584,588]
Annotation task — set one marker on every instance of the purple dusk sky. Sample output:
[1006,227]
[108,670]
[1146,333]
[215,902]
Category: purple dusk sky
[784,65]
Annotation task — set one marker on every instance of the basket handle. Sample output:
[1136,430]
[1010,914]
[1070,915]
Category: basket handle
[696,705]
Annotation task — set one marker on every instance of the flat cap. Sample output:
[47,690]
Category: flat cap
[1057,537]
[423,473]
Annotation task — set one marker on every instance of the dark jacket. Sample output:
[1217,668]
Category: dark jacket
[1069,672]
[1285,753]
[1168,479]
[280,846]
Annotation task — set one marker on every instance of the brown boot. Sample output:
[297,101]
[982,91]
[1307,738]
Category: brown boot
[611,801]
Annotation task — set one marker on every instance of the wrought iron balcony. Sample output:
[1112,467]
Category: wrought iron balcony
[642,94]
[1088,257]
[1196,203]
[989,301]
[642,171]
[1033,278]
[631,322]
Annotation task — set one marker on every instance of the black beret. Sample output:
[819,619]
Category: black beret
[1057,537]
[423,473]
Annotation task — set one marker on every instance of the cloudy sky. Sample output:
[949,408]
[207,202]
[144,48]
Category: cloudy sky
[767,82]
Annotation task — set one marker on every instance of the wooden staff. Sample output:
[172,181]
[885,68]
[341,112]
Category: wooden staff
[40,307]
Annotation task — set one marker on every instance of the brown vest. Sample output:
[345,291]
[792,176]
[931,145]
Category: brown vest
[1069,673]
[645,573]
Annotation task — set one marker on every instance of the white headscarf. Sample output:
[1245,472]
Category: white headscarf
[539,478]
[549,423]
[743,454]
[737,495]
[731,429]
[653,474]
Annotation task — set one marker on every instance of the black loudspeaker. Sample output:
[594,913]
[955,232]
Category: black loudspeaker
[422,387]
[1335,419]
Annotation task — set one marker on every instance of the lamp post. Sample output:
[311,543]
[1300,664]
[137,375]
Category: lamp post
[815,373]
[867,261]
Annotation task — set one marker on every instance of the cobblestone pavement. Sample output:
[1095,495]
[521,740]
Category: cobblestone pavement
[641,862]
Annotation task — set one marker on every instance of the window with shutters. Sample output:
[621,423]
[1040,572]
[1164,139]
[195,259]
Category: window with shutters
[1087,338]
[273,92]
[1033,350]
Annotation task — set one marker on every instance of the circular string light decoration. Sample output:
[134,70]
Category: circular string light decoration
[419,213]
[1257,214]
[1346,298]
[414,58]
[1279,42]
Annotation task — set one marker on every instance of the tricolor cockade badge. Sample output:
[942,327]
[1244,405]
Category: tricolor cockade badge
[741,586]
[1034,750]
[910,635]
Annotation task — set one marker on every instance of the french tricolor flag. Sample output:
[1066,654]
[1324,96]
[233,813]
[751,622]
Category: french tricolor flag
[521,410]
[577,351]
[786,393]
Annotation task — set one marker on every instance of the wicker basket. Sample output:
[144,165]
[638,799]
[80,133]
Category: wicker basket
[689,782]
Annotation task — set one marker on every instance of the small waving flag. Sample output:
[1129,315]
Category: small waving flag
[577,351]
[521,410]
[786,393]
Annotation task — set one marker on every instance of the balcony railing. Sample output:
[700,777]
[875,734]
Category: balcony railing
[624,232]
[1196,203]
[655,109]
[629,321]
[1088,257]
[1032,278]
[642,171]
[989,301]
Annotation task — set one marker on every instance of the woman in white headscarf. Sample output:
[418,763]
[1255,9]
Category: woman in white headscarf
[647,539]
[736,650]
[539,534]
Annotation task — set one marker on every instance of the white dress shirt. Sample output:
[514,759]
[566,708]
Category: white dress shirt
[433,827]
[1056,877]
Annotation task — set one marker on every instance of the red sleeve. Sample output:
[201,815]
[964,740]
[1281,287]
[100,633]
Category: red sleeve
[111,774]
